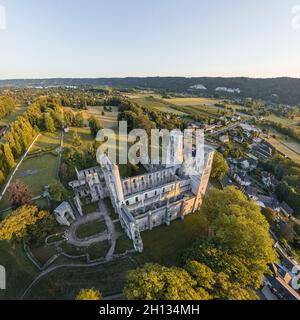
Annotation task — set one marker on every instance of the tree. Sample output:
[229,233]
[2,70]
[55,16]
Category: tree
[2,178]
[155,282]
[19,194]
[77,142]
[58,191]
[95,125]
[78,121]
[89,294]
[270,215]
[49,123]
[219,167]
[15,226]
[240,229]
[8,157]
[38,232]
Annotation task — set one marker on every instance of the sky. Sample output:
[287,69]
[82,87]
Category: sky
[120,38]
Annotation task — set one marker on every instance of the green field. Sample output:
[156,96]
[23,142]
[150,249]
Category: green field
[90,229]
[40,166]
[19,270]
[191,101]
[109,119]
[84,133]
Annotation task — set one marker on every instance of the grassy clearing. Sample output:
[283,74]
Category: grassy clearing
[90,208]
[84,133]
[66,283]
[109,119]
[43,254]
[192,101]
[164,245]
[90,229]
[44,167]
[123,244]
[47,141]
[19,270]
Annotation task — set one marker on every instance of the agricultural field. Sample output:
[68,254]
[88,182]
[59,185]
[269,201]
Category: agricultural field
[285,121]
[156,103]
[192,101]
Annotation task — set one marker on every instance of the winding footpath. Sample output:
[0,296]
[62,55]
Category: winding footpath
[110,235]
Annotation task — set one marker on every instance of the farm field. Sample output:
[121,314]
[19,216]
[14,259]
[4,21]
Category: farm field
[192,101]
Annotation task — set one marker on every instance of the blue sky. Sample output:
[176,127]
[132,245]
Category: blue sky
[97,38]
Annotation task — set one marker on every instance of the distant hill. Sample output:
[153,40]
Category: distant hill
[281,90]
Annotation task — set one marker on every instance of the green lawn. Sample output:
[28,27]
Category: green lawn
[66,283]
[84,133]
[90,208]
[43,170]
[19,270]
[164,245]
[90,229]
[123,244]
[47,141]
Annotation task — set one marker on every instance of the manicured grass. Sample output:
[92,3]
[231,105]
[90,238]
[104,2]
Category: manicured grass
[84,133]
[98,250]
[66,283]
[123,244]
[90,229]
[90,208]
[19,270]
[47,141]
[45,168]
[164,245]
[110,208]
